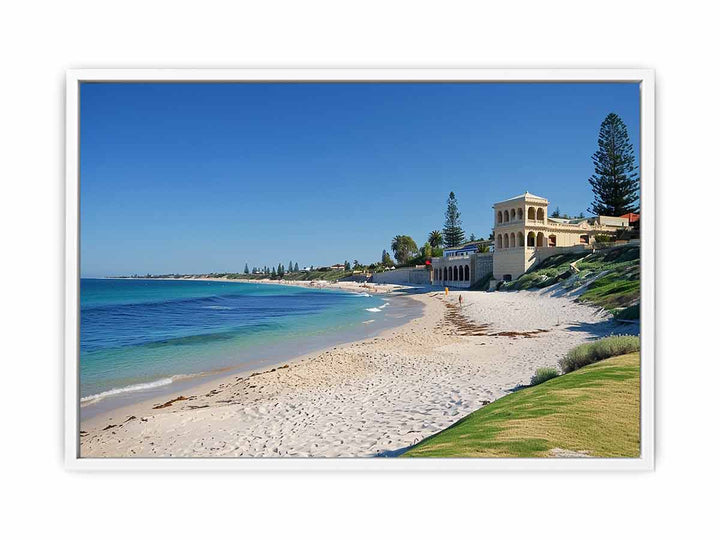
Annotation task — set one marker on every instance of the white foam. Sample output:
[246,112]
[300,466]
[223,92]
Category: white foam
[131,388]
[377,309]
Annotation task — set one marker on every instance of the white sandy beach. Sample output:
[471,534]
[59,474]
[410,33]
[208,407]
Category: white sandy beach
[368,398]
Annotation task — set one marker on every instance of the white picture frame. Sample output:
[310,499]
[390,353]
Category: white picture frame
[644,77]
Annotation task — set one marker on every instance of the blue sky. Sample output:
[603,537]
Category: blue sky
[206,177]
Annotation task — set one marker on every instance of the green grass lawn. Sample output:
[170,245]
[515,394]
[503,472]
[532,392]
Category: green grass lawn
[594,410]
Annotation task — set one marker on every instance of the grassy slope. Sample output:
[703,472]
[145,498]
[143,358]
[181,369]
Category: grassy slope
[595,409]
[617,287]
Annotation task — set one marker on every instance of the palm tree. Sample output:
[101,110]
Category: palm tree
[435,239]
[403,246]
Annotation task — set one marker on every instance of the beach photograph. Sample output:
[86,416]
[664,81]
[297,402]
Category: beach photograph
[362,269]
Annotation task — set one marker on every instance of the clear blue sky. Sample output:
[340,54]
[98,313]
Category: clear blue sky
[206,177]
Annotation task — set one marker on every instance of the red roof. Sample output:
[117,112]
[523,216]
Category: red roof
[632,218]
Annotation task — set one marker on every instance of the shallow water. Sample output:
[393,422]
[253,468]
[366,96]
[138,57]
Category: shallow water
[140,338]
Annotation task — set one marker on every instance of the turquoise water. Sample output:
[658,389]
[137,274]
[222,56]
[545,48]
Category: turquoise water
[140,335]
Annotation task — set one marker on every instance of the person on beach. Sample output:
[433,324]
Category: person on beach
[460,299]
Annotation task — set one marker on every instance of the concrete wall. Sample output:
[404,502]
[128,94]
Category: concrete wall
[543,253]
[483,265]
[516,261]
[403,276]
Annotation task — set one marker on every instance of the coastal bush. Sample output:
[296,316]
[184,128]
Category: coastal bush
[592,352]
[629,313]
[604,238]
[543,374]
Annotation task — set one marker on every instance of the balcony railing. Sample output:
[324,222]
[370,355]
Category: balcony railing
[521,222]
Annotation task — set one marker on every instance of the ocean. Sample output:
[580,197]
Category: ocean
[144,337]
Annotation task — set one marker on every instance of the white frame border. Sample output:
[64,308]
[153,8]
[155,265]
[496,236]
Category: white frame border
[646,79]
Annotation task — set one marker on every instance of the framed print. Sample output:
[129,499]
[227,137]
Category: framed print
[360,269]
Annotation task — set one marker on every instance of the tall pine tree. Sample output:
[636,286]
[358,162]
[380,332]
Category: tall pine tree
[452,234]
[616,183]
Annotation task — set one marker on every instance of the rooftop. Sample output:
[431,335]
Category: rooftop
[525,196]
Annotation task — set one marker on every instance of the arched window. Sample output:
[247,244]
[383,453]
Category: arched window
[512,239]
[531,213]
[467,273]
[499,217]
[552,240]
[462,276]
[540,239]
[540,214]
[445,274]
[506,241]
[506,216]
[531,239]
[499,241]
[519,213]
[513,215]
[455,273]
[520,239]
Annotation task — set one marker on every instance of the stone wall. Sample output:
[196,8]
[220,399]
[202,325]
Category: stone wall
[403,276]
[516,261]
[483,266]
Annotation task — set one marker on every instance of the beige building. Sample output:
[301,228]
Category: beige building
[525,235]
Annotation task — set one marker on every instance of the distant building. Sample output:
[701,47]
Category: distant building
[523,236]
[467,248]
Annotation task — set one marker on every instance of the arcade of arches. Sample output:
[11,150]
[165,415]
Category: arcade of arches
[455,272]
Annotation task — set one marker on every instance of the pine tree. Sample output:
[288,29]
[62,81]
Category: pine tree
[556,213]
[290,266]
[297,268]
[452,234]
[247,270]
[386,260]
[616,183]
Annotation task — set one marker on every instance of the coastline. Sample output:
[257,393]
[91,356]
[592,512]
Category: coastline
[365,398]
[273,355]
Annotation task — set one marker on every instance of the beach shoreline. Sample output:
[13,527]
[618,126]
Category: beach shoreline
[365,398]
[127,397]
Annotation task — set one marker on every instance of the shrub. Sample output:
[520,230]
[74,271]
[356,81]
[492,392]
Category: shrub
[629,313]
[543,374]
[592,352]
